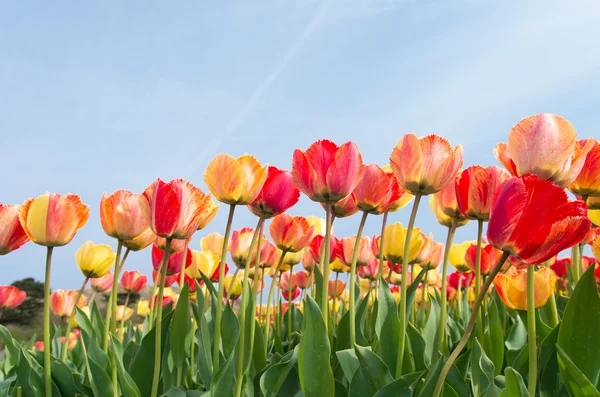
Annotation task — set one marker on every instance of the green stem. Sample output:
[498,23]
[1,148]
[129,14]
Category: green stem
[424,293]
[443,309]
[403,287]
[478,275]
[113,297]
[217,339]
[381,239]
[580,246]
[361,226]
[270,301]
[63,355]
[257,281]
[151,314]
[262,277]
[158,326]
[459,298]
[182,270]
[193,347]
[532,378]
[325,264]
[240,357]
[230,289]
[553,310]
[289,309]
[470,325]
[47,372]
[333,309]
[575,265]
[121,329]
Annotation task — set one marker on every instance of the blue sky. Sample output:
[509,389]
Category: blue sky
[97,97]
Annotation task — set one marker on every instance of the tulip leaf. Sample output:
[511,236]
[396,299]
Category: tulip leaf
[375,372]
[412,289]
[551,382]
[259,360]
[272,379]
[222,383]
[348,362]
[431,332]
[29,379]
[387,326]
[482,372]
[208,284]
[249,309]
[401,387]
[579,334]
[454,380]
[62,377]
[494,338]
[11,352]
[575,380]
[230,330]
[202,339]
[128,386]
[417,347]
[314,368]
[180,328]
[342,341]
[514,385]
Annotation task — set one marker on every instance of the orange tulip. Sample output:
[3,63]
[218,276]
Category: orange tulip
[236,181]
[489,257]
[62,302]
[376,191]
[336,288]
[596,247]
[302,279]
[343,208]
[308,260]
[545,145]
[141,241]
[174,209]
[405,197]
[268,255]
[12,235]
[431,254]
[327,172]
[209,215]
[290,233]
[240,246]
[133,281]
[213,243]
[475,188]
[425,165]
[52,220]
[121,216]
[444,203]
[11,297]
[587,182]
[365,254]
[512,287]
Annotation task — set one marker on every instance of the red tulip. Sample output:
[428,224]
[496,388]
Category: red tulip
[489,257]
[533,219]
[425,165]
[290,233]
[287,283]
[475,188]
[166,300]
[240,247]
[294,293]
[376,191]
[277,195]
[191,282]
[62,302]
[169,280]
[174,209]
[545,145]
[133,281]
[343,208]
[12,235]
[174,262]
[376,246]
[11,297]
[335,248]
[465,279]
[103,283]
[327,172]
[268,255]
[587,182]
[369,271]
[560,266]
[302,279]
[121,216]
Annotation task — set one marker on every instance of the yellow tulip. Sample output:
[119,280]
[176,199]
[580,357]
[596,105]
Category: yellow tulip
[213,243]
[123,313]
[236,288]
[457,256]
[94,261]
[393,246]
[594,216]
[318,224]
[512,287]
[235,180]
[337,266]
[143,308]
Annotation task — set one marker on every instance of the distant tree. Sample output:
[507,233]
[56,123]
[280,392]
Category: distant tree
[33,305]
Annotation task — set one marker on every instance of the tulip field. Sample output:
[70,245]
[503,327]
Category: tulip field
[284,307]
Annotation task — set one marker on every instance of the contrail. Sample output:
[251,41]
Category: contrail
[247,108]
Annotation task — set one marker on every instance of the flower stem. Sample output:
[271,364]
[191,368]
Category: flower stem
[575,264]
[240,358]
[442,331]
[381,239]
[289,308]
[182,270]
[47,372]
[151,315]
[361,226]
[403,287]
[325,266]
[270,301]
[121,328]
[333,309]
[554,310]
[229,290]
[459,297]
[63,355]
[424,297]
[466,335]
[478,275]
[219,313]
[532,378]
[112,301]
[257,281]
[158,326]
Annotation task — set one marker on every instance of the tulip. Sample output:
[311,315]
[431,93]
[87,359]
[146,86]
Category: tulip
[512,287]
[291,233]
[12,235]
[560,266]
[457,256]
[308,260]
[545,145]
[176,245]
[343,208]
[335,248]
[133,282]
[587,182]
[173,262]
[596,248]
[365,254]
[143,308]
[242,241]
[169,280]
[94,261]
[489,257]
[204,262]
[209,215]
[437,208]
[277,195]
[102,284]
[287,283]
[593,203]
[121,216]
[435,254]
[141,241]
[235,181]
[393,248]
[123,313]
[376,191]
[233,286]
[213,243]
[11,297]
[290,296]
[459,280]
[302,279]
[475,188]
[166,300]
[336,288]
[426,165]
[318,224]
[369,271]
[62,302]
[337,266]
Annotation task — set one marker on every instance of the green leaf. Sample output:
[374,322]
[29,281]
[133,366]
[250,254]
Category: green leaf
[342,341]
[209,285]
[97,320]
[431,332]
[376,373]
[454,380]
[28,378]
[11,352]
[417,347]
[412,289]
[6,384]
[180,328]
[517,334]
[576,382]
[579,334]
[348,362]
[494,338]
[223,383]
[62,377]
[515,387]
[482,372]
[387,326]
[205,368]
[128,386]
[314,368]
[230,331]
[272,379]
[401,387]
[259,360]
[101,381]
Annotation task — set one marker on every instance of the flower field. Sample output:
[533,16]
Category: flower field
[287,308]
